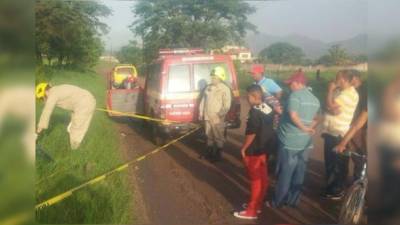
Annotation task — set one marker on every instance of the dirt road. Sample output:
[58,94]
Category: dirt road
[176,187]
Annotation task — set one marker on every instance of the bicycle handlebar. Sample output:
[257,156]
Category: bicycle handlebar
[349,153]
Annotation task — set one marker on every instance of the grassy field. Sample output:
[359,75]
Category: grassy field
[107,202]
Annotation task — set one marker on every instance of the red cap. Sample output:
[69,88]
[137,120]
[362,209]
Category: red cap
[297,77]
[257,69]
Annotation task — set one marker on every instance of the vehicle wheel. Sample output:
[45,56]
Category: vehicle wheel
[353,206]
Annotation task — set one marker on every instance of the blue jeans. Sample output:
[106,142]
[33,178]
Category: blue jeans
[290,170]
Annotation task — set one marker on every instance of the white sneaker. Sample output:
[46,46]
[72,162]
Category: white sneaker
[244,215]
[244,206]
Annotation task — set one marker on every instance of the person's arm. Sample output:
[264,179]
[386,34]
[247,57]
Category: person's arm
[358,124]
[279,94]
[226,102]
[47,111]
[293,108]
[331,105]
[201,103]
[247,142]
[317,120]
[273,102]
[252,127]
[275,89]
[297,121]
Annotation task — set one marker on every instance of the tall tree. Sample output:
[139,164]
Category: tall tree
[190,23]
[282,53]
[338,55]
[69,31]
[130,53]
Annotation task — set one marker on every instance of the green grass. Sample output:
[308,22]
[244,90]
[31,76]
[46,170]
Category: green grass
[107,202]
[16,172]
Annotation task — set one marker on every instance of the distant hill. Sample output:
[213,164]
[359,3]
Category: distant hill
[312,48]
[356,45]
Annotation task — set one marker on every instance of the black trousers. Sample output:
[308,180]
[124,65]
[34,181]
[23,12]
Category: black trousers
[336,165]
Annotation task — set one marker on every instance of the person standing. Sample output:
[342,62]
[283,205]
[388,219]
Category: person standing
[318,75]
[341,102]
[214,105]
[355,138]
[295,132]
[79,101]
[268,85]
[259,134]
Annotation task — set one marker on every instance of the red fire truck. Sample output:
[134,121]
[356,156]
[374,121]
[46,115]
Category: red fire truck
[173,86]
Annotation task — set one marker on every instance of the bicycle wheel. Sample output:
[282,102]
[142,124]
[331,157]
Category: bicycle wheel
[353,205]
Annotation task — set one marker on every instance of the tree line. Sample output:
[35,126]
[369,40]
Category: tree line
[288,54]
[209,25]
[185,24]
[68,33]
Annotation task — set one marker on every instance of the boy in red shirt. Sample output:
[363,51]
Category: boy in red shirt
[259,133]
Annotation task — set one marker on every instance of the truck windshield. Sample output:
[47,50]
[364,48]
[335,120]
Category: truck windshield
[202,74]
[125,71]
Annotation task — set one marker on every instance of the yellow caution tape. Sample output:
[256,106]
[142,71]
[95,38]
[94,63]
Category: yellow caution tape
[60,197]
[133,115]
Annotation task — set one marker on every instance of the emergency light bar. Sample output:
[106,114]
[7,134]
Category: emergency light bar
[177,51]
[200,58]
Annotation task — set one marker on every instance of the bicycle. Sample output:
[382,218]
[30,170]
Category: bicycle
[353,204]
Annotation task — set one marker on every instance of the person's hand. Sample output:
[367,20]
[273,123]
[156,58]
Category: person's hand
[336,111]
[278,110]
[309,130]
[331,86]
[243,153]
[39,130]
[340,148]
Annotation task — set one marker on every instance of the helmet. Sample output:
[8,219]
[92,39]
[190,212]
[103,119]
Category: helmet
[41,90]
[219,72]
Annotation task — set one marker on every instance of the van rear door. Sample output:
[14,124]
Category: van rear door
[124,100]
[179,98]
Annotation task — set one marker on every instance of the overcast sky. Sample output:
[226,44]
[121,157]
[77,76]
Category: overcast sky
[325,20]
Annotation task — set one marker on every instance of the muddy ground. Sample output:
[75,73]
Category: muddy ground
[175,186]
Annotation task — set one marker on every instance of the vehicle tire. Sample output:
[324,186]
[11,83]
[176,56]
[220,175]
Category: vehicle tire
[353,205]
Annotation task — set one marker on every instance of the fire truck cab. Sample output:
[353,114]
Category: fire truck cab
[173,87]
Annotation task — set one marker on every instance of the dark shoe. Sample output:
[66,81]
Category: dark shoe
[244,207]
[338,196]
[217,154]
[207,154]
[333,196]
